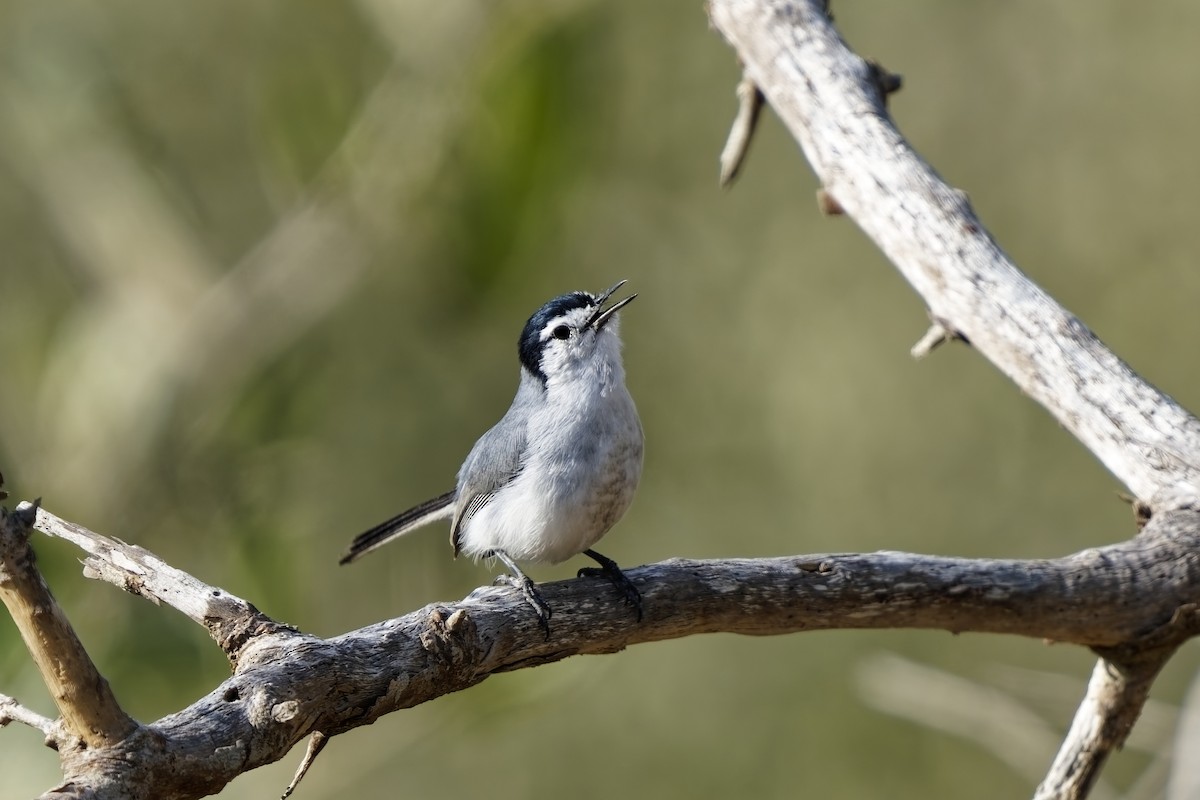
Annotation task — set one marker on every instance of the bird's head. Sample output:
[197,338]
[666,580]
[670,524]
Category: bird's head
[572,335]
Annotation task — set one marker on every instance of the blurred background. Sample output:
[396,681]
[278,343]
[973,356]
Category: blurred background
[264,268]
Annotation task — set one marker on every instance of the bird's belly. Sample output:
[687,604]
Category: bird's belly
[552,519]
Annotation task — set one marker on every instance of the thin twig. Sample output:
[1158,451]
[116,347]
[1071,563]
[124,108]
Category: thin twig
[316,743]
[737,145]
[934,338]
[231,621]
[940,332]
[13,711]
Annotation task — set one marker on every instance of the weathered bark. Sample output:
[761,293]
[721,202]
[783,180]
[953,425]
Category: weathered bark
[287,685]
[830,100]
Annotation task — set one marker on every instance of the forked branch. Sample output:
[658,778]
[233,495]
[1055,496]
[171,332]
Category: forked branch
[90,713]
[833,102]
[287,686]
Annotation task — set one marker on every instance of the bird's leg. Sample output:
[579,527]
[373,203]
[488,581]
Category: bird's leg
[519,580]
[610,570]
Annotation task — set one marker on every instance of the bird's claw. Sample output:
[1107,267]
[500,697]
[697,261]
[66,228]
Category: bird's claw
[532,596]
[617,578]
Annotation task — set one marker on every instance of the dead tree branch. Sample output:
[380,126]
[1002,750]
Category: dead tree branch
[287,685]
[829,99]
[90,713]
[833,103]
[230,620]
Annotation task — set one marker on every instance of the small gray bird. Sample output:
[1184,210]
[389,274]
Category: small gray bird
[560,468]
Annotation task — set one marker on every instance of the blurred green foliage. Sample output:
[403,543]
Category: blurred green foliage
[265,265]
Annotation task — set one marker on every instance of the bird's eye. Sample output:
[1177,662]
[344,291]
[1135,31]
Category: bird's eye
[561,332]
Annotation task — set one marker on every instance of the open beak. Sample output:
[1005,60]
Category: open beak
[602,315]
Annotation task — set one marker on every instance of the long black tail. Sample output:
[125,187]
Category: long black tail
[439,507]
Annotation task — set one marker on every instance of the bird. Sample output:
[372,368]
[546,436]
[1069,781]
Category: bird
[562,465]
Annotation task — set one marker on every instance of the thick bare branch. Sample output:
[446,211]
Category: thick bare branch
[230,620]
[830,100]
[89,710]
[287,685]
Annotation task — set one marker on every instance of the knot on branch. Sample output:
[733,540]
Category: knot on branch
[450,638]
[15,528]
[886,83]
[233,633]
[940,331]
[827,204]
[1179,497]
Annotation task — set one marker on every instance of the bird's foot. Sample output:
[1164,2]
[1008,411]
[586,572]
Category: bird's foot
[532,596]
[522,582]
[609,569]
